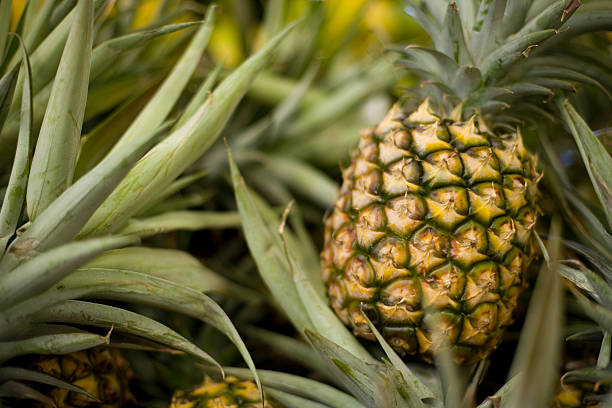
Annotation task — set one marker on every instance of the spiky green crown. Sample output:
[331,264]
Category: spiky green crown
[493,55]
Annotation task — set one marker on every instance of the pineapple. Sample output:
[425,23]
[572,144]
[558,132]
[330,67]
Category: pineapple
[101,371]
[228,393]
[432,235]
[434,218]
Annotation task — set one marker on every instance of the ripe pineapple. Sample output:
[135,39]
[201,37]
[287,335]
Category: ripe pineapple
[431,236]
[229,393]
[434,218]
[101,371]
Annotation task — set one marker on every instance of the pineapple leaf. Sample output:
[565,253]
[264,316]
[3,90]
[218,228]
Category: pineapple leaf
[18,373]
[200,97]
[173,265]
[36,24]
[487,32]
[56,150]
[50,344]
[293,401]
[559,72]
[14,196]
[180,220]
[160,105]
[127,286]
[592,16]
[597,160]
[173,188]
[323,318]
[290,348]
[362,379]
[7,88]
[67,214]
[411,384]
[509,53]
[5,22]
[591,375]
[181,148]
[600,314]
[428,23]
[551,17]
[106,54]
[303,178]
[14,389]
[99,315]
[100,140]
[301,386]
[45,270]
[436,8]
[514,17]
[603,360]
[504,395]
[452,40]
[264,244]
[538,353]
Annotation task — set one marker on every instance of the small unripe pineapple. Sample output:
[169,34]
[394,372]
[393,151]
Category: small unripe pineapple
[229,393]
[431,236]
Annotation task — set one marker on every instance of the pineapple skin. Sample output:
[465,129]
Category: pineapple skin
[229,393]
[431,235]
[101,371]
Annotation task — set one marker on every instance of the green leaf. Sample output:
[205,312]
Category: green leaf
[324,320]
[159,106]
[537,358]
[14,196]
[14,389]
[364,380]
[5,23]
[292,401]
[596,159]
[514,17]
[498,61]
[200,97]
[181,148]
[106,54]
[181,220]
[301,386]
[414,386]
[487,33]
[173,265]
[551,17]
[303,178]
[45,270]
[590,375]
[559,72]
[126,286]
[603,360]
[452,40]
[291,348]
[58,141]
[22,374]
[591,17]
[503,396]
[99,141]
[51,344]
[265,246]
[62,220]
[99,315]
[7,89]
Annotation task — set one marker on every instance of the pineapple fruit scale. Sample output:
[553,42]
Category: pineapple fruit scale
[431,236]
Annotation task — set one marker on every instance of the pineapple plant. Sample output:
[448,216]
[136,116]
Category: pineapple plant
[229,392]
[74,206]
[433,227]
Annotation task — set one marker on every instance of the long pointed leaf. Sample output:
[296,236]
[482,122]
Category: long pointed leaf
[51,344]
[22,374]
[597,160]
[95,314]
[58,142]
[14,196]
[166,161]
[43,271]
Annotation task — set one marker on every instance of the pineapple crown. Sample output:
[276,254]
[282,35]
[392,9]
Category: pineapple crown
[494,55]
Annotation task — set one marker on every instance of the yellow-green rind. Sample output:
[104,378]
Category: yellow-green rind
[432,231]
